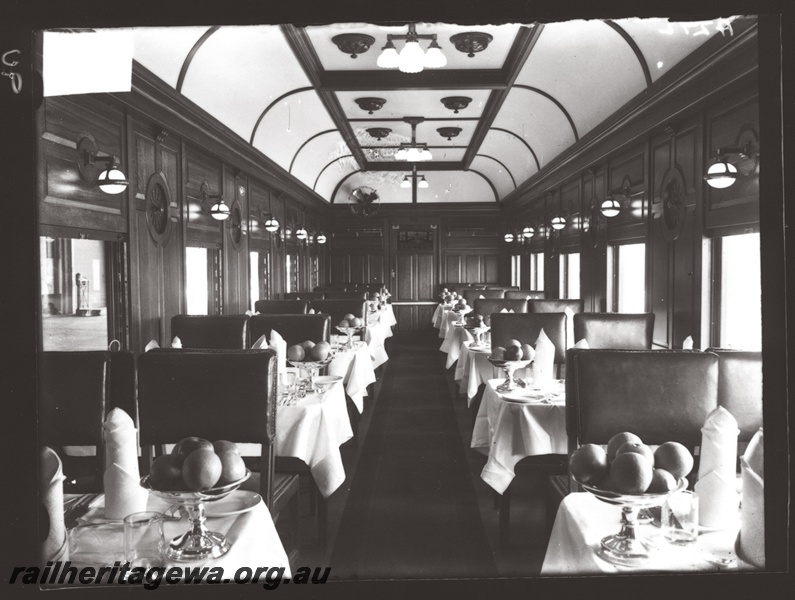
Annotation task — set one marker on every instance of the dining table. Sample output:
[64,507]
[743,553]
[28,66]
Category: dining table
[457,335]
[242,517]
[473,369]
[513,425]
[355,366]
[583,520]
[379,328]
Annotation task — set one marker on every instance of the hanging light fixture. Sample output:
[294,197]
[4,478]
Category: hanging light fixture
[413,151]
[406,183]
[219,210]
[411,58]
[408,179]
[422,183]
[111,179]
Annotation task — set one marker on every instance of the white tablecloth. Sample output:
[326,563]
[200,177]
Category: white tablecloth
[313,430]
[356,368]
[456,337]
[252,535]
[472,369]
[438,315]
[513,431]
[379,328]
[449,318]
[583,520]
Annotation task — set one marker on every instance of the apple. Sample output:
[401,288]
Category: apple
[188,445]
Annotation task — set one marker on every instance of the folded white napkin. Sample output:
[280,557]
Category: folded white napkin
[481,297]
[151,345]
[528,297]
[311,311]
[176,342]
[504,310]
[261,343]
[278,344]
[752,527]
[716,472]
[583,343]
[123,492]
[51,477]
[510,311]
[569,327]
[687,344]
[544,361]
[250,313]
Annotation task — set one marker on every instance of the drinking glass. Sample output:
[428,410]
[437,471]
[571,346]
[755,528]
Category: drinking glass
[287,387]
[680,517]
[144,544]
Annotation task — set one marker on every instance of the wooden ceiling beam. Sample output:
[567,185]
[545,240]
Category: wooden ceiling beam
[407,166]
[305,53]
[429,79]
[522,46]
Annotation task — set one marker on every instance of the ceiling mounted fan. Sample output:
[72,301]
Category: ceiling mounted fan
[364,201]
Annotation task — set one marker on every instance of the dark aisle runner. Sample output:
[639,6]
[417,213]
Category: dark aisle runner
[412,510]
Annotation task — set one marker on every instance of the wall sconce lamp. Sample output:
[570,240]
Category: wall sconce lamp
[508,238]
[301,233]
[721,173]
[320,238]
[615,200]
[219,210]
[111,179]
[528,233]
[558,222]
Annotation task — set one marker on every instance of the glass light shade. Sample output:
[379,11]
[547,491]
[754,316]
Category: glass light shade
[434,57]
[412,154]
[406,183]
[112,181]
[271,225]
[528,232]
[425,154]
[610,207]
[508,237]
[301,234]
[389,58]
[321,238]
[219,211]
[558,223]
[412,57]
[422,182]
[401,154]
[721,174]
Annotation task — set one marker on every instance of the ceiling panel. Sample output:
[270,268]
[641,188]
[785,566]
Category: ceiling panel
[424,103]
[496,172]
[163,50]
[455,186]
[314,155]
[587,66]
[333,59]
[509,150]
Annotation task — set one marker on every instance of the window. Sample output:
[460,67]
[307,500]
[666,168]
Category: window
[203,281]
[570,275]
[537,271]
[292,274]
[82,296]
[254,278]
[738,290]
[626,272]
[516,269]
[314,275]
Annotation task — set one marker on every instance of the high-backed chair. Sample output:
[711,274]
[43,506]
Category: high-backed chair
[330,288]
[526,294]
[740,389]
[472,294]
[293,328]
[215,394]
[526,327]
[370,288]
[502,287]
[486,306]
[304,295]
[72,404]
[554,306]
[615,330]
[478,286]
[220,332]
[347,295]
[282,307]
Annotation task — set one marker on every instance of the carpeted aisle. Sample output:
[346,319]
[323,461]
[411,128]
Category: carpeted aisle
[412,510]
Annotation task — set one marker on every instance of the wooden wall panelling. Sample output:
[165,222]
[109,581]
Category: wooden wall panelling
[628,168]
[551,249]
[235,244]
[279,249]
[172,248]
[66,199]
[659,263]
[570,208]
[593,261]
[200,226]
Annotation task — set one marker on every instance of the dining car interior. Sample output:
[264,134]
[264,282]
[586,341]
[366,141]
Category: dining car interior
[411,300]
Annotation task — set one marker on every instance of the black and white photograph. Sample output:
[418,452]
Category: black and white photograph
[351,300]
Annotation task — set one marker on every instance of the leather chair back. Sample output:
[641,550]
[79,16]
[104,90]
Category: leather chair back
[338,308]
[304,296]
[478,286]
[554,306]
[504,288]
[282,307]
[659,395]
[740,388]
[122,383]
[487,306]
[615,330]
[523,294]
[293,328]
[220,332]
[472,294]
[347,295]
[526,327]
[370,288]
[215,394]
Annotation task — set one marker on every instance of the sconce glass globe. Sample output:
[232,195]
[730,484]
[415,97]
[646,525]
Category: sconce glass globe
[508,237]
[558,222]
[721,174]
[610,207]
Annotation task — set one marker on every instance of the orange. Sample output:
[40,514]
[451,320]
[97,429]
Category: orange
[528,352]
[307,345]
[187,445]
[345,323]
[636,447]
[631,473]
[165,473]
[295,353]
[349,317]
[232,467]
[201,470]
[498,353]
[221,445]
[510,343]
[588,464]
[674,458]
[661,481]
[356,322]
[616,442]
[513,353]
[319,353]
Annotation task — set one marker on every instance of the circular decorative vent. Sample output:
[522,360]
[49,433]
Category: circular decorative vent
[157,209]
[236,224]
